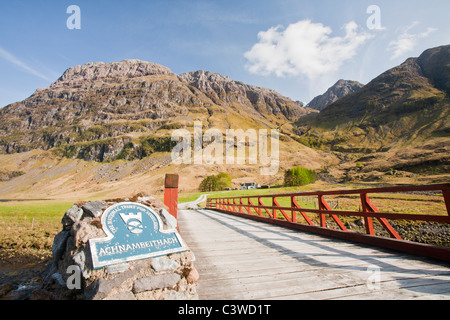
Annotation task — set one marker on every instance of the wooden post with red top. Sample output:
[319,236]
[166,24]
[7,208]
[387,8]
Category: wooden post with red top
[171,194]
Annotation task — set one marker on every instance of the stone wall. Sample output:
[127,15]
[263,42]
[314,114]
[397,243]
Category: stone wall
[70,275]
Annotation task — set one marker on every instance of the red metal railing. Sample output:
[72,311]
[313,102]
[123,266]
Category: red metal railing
[254,207]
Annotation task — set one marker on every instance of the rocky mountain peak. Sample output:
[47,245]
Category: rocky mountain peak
[224,90]
[338,90]
[92,71]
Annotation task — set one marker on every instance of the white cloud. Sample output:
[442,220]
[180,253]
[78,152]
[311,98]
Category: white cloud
[11,58]
[303,48]
[406,41]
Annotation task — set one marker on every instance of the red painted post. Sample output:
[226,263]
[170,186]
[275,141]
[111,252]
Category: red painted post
[293,212]
[249,208]
[446,195]
[323,222]
[367,220]
[295,204]
[386,225]
[171,194]
[274,211]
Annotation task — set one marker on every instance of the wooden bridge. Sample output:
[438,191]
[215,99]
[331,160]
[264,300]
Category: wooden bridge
[242,259]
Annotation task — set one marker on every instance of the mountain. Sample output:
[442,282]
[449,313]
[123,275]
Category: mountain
[401,118]
[104,130]
[124,110]
[338,90]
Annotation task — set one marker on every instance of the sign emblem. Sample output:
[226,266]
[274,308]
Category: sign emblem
[134,232]
[133,222]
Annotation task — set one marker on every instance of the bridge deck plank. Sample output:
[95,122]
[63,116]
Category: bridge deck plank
[244,259]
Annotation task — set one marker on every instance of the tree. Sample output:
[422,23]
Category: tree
[215,183]
[299,177]
[208,184]
[223,181]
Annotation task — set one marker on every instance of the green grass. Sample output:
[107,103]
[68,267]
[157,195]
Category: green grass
[27,230]
[38,209]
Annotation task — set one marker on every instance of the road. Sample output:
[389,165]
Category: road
[193,204]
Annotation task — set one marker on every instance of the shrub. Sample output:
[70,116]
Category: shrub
[223,181]
[215,183]
[299,177]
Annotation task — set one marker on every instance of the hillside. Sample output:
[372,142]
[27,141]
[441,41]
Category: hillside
[398,121]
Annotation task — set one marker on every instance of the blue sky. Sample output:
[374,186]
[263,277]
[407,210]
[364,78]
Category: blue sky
[298,48]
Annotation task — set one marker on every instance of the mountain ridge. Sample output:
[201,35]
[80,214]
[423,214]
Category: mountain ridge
[398,121]
[105,111]
[339,90]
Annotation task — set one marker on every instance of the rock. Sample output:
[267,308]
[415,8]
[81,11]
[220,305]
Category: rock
[59,279]
[122,296]
[169,220]
[156,282]
[193,276]
[360,222]
[71,216]
[80,260]
[59,244]
[84,230]
[164,264]
[99,289]
[117,268]
[94,209]
[176,295]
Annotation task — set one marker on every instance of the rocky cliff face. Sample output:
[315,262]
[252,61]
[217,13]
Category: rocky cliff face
[338,90]
[95,71]
[223,90]
[104,111]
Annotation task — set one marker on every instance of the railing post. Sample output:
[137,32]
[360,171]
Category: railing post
[171,194]
[446,195]
[367,204]
[323,205]
[293,212]
[368,222]
[295,203]
[249,208]
[322,218]
[274,211]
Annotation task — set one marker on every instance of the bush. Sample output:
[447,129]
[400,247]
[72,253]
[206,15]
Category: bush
[215,183]
[223,181]
[299,177]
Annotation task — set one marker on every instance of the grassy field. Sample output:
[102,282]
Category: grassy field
[27,230]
